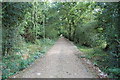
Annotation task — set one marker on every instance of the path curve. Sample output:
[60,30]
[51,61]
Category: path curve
[59,62]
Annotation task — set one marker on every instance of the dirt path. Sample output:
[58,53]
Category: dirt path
[59,62]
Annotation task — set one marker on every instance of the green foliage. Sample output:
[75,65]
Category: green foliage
[114,71]
[22,59]
[91,24]
[12,15]
[109,21]
[102,59]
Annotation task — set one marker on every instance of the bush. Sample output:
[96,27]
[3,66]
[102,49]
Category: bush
[24,57]
[101,59]
[114,72]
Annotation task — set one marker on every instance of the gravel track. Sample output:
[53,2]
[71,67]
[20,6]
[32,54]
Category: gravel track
[59,62]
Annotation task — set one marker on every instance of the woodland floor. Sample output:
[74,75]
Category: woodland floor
[59,62]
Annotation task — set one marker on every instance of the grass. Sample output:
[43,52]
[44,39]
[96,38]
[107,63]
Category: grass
[96,55]
[24,56]
[101,59]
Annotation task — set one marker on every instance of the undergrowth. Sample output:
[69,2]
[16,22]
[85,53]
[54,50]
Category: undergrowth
[24,56]
[101,59]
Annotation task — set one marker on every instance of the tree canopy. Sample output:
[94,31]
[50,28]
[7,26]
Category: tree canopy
[90,24]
